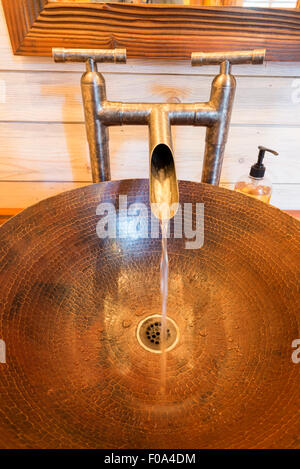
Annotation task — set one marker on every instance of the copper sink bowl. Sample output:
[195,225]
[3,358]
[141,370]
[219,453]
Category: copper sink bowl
[76,375]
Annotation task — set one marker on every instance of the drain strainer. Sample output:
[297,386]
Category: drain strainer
[149,333]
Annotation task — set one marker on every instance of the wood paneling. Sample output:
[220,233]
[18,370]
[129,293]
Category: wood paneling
[43,148]
[156,31]
[58,152]
[285,196]
[22,194]
[56,97]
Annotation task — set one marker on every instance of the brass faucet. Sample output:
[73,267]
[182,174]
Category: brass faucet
[215,115]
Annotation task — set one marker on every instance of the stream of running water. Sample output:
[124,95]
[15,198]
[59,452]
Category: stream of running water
[164,276]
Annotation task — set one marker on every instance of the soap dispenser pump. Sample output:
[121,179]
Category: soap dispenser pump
[256,184]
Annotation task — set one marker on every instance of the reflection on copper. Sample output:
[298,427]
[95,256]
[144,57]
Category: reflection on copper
[76,375]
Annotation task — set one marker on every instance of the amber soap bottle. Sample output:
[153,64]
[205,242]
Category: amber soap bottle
[255,184]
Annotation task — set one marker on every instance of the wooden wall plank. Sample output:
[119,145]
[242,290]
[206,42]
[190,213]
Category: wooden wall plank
[56,97]
[23,194]
[36,152]
[53,153]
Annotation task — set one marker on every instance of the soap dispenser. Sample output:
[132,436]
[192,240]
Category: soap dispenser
[255,184]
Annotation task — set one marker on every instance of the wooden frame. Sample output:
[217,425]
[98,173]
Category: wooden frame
[153,31]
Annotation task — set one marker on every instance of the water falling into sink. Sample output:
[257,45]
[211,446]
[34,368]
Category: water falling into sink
[164,209]
[164,199]
[164,277]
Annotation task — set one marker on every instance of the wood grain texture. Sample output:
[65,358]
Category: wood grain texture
[43,147]
[156,31]
[56,97]
[9,61]
[58,152]
[23,194]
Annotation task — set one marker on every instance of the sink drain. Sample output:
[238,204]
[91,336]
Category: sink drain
[149,333]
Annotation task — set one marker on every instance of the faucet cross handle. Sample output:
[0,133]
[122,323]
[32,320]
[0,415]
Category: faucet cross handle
[84,55]
[255,57]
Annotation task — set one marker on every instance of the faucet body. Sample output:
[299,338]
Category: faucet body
[159,117]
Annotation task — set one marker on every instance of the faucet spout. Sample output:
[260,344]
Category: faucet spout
[163,185]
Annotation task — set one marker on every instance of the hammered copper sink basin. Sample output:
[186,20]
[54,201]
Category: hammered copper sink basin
[76,375]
